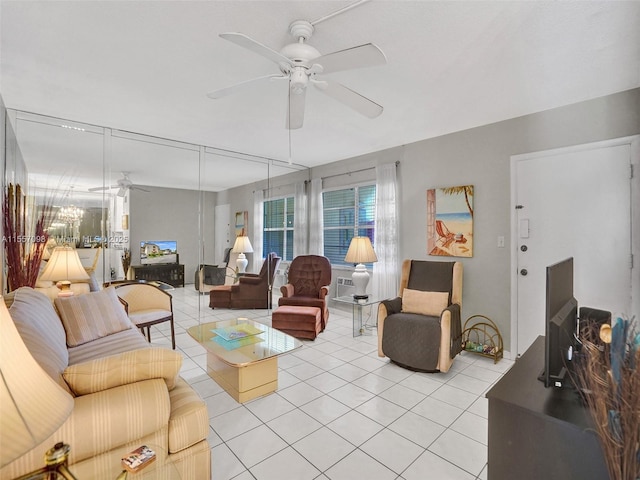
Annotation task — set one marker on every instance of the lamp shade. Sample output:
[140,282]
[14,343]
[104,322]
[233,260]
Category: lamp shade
[242,245]
[64,264]
[360,251]
[33,404]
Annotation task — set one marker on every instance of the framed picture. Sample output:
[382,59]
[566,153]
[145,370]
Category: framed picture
[242,220]
[450,221]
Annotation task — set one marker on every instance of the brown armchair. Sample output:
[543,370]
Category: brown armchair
[251,291]
[309,279]
[421,328]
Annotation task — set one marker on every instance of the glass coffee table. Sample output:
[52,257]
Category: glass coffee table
[242,355]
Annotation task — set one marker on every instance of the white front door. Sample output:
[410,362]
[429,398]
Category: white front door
[573,202]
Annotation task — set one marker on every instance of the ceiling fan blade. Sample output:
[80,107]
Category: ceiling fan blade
[122,191]
[360,104]
[223,92]
[98,189]
[138,187]
[295,110]
[256,47]
[367,55]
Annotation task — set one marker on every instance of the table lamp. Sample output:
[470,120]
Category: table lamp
[242,246]
[63,267]
[27,419]
[360,252]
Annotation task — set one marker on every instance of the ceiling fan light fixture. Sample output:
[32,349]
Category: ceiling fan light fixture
[299,80]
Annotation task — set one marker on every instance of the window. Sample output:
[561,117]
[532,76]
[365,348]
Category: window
[347,213]
[278,228]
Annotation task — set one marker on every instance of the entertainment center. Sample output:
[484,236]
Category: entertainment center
[537,432]
[159,260]
[539,425]
[171,273]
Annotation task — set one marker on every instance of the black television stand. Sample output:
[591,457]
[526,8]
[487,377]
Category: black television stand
[171,273]
[559,381]
[537,432]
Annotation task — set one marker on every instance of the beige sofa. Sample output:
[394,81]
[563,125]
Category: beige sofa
[126,392]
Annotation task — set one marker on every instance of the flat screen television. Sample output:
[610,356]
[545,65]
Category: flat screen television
[158,251]
[561,324]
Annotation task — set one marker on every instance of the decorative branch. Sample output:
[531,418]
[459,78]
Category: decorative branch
[610,385]
[23,242]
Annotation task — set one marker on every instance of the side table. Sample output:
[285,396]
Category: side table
[357,306]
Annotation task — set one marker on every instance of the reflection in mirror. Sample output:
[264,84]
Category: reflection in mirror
[112,192]
[76,221]
[62,160]
[218,222]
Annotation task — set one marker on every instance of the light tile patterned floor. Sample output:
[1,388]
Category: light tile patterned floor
[340,411]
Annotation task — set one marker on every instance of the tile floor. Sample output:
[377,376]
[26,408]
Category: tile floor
[340,411]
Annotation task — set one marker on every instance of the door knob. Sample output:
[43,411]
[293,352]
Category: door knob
[523,272]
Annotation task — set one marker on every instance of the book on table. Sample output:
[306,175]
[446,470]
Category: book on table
[236,332]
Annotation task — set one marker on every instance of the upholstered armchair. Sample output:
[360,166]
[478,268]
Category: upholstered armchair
[421,328]
[251,291]
[208,276]
[309,279]
[147,305]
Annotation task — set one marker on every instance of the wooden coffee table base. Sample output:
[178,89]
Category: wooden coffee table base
[244,382]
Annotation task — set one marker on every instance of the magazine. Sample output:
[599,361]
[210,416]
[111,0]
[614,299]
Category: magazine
[236,332]
[138,459]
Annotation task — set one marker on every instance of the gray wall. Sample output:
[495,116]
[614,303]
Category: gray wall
[174,214]
[481,157]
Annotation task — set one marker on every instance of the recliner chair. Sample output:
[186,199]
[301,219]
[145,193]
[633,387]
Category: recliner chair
[421,328]
[309,278]
[251,291]
[208,276]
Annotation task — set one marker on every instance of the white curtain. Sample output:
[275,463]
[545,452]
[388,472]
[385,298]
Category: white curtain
[316,224]
[300,220]
[386,272]
[256,239]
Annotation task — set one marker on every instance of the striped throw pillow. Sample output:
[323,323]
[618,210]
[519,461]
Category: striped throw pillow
[92,316]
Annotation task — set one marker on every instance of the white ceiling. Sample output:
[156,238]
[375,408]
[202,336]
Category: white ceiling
[146,67]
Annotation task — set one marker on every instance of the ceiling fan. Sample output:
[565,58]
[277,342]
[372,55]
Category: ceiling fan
[123,184]
[301,64]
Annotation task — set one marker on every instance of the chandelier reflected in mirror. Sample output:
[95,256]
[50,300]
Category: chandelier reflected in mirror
[70,214]
[68,220]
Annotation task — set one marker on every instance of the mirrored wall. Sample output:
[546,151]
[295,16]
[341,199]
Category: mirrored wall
[111,194]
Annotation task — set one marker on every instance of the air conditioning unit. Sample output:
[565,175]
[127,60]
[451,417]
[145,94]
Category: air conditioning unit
[344,286]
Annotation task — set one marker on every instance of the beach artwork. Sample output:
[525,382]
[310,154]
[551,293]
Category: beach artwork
[242,221]
[450,221]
